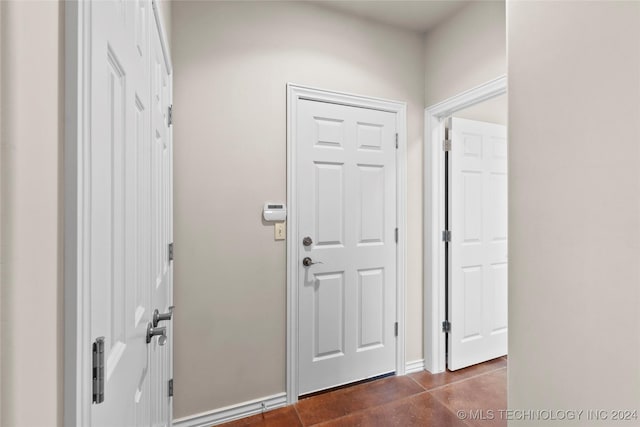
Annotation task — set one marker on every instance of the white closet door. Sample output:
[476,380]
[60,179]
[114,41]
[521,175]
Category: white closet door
[129,212]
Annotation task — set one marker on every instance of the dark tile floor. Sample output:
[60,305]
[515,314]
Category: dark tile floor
[419,399]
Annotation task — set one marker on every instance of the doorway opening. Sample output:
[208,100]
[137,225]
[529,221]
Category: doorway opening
[460,287]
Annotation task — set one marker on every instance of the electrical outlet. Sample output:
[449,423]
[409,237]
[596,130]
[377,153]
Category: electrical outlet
[280,230]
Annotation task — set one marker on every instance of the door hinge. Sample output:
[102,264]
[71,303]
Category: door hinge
[446,326]
[98,371]
[171,251]
[395,329]
[446,144]
[446,236]
[396,140]
[396,234]
[170,115]
[171,387]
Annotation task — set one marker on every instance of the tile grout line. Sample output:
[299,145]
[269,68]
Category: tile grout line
[425,390]
[414,380]
[368,409]
[396,377]
[446,404]
[438,401]
[464,379]
[295,408]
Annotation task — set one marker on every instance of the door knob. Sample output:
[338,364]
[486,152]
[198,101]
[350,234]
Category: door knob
[160,332]
[308,262]
[159,317]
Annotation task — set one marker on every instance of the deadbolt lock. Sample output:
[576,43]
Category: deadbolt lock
[307,241]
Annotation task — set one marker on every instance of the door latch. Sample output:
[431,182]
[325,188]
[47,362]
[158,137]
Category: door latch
[159,331]
[308,262]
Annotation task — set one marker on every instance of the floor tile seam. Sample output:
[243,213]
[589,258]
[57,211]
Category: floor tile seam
[364,410]
[455,414]
[464,379]
[443,401]
[295,408]
[422,390]
[446,404]
[448,409]
[416,381]
[453,411]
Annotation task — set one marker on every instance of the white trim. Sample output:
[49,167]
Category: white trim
[163,36]
[77,290]
[77,323]
[415,366]
[294,93]
[434,339]
[233,412]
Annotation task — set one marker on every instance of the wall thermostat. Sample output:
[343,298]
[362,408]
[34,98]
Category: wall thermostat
[274,212]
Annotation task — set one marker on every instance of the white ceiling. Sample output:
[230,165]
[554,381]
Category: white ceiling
[416,15]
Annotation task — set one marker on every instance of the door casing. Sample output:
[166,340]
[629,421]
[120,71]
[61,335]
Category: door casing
[434,216]
[77,302]
[296,92]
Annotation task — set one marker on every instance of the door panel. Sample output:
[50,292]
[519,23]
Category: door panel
[346,177]
[478,249]
[129,215]
[119,123]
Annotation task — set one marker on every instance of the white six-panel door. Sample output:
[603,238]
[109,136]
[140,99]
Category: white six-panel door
[478,247]
[129,215]
[346,180]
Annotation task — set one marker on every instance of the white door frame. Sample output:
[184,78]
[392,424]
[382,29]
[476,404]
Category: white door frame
[77,298]
[434,220]
[294,94]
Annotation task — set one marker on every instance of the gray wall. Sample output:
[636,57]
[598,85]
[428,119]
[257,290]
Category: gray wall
[232,61]
[492,111]
[32,134]
[465,51]
[574,206]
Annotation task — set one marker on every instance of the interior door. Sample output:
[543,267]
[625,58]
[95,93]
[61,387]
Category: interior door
[478,246]
[126,187]
[346,179]
[161,221]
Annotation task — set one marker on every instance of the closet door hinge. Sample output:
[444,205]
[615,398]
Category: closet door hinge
[171,387]
[446,236]
[170,115]
[446,144]
[446,327]
[395,329]
[171,251]
[396,140]
[396,234]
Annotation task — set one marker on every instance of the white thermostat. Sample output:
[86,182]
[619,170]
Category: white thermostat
[274,212]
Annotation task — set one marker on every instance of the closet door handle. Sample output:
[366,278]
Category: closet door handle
[159,317]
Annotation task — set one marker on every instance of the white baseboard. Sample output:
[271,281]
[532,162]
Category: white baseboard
[415,366]
[233,412]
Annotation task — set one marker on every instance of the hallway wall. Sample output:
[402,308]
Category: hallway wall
[465,51]
[574,207]
[232,61]
[31,200]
